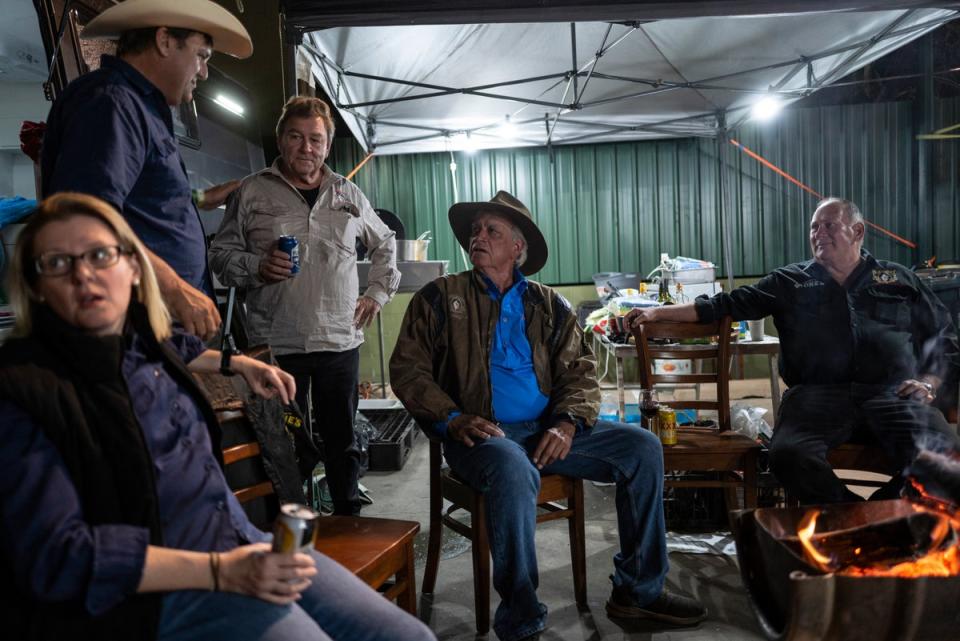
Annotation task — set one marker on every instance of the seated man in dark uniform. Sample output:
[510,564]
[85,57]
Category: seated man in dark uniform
[865,346]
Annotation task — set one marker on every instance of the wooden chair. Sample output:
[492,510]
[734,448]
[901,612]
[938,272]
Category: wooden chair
[444,484]
[243,463]
[378,551]
[733,456]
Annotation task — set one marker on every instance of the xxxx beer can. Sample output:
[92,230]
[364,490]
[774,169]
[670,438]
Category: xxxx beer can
[667,419]
[291,245]
[295,529]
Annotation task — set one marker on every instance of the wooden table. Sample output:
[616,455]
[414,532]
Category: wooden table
[769,346]
[375,550]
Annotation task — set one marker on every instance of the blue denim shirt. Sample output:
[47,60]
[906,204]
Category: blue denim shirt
[110,134]
[41,520]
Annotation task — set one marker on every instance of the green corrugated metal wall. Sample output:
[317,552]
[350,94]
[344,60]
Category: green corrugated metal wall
[615,207]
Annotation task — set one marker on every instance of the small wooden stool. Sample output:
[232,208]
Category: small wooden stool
[374,550]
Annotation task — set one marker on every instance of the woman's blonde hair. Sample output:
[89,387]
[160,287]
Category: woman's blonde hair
[22,276]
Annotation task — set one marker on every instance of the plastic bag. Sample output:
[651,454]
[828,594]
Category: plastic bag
[748,420]
[363,431]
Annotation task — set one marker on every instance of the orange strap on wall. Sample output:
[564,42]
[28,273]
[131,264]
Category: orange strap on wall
[357,168]
[769,165]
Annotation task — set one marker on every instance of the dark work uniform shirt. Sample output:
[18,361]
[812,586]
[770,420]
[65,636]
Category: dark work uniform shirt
[110,134]
[42,526]
[881,327]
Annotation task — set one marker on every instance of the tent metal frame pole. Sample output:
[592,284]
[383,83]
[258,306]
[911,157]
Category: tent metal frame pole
[321,60]
[726,199]
[424,85]
[573,58]
[454,92]
[666,84]
[842,68]
[776,65]
[588,70]
[593,67]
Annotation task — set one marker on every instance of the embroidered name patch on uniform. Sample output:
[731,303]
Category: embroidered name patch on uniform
[458,307]
[884,276]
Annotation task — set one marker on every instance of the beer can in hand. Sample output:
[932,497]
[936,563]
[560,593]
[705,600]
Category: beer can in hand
[295,529]
[668,426]
[291,246]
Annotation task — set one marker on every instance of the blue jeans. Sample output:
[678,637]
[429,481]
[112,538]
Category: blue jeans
[337,605]
[610,452]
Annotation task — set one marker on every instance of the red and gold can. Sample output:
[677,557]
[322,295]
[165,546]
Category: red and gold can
[667,419]
[295,528]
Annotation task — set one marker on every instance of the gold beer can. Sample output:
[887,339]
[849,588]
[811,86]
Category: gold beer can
[295,529]
[667,419]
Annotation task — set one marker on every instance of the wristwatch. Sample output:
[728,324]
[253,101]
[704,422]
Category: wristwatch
[929,388]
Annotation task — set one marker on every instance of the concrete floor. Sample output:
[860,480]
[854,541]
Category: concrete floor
[713,578]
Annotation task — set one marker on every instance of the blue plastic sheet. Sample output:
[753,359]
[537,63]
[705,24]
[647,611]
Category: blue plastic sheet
[13,209]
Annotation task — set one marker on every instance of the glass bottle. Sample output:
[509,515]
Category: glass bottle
[663,295]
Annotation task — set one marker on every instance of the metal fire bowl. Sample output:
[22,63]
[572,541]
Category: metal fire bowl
[794,601]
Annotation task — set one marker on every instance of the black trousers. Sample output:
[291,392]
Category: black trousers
[332,379]
[814,419]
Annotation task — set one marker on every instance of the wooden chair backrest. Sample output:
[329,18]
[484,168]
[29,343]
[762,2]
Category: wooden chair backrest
[243,462]
[720,351]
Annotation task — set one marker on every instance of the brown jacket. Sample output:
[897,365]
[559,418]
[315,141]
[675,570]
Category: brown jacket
[441,362]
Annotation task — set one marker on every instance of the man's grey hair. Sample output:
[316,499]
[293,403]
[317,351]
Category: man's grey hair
[851,212]
[518,235]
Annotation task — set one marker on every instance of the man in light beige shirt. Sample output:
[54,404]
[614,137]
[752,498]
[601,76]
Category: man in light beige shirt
[313,319]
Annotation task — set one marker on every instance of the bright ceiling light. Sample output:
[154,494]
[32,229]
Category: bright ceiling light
[766,108]
[230,105]
[463,141]
[468,143]
[507,130]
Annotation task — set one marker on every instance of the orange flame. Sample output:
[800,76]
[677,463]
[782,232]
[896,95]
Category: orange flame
[805,530]
[937,562]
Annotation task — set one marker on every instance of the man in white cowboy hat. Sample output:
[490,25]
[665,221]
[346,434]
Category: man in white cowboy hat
[498,367]
[110,134]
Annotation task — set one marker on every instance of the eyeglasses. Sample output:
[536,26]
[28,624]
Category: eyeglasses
[97,258]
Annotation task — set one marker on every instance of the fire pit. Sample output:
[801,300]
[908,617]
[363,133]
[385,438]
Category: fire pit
[858,571]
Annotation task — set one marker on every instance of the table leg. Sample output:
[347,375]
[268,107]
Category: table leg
[774,384]
[383,379]
[619,370]
[407,599]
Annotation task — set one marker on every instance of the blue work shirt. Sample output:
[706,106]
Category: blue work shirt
[513,381]
[42,523]
[110,134]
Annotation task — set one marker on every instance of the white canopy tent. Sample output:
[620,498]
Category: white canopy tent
[419,82]
[444,87]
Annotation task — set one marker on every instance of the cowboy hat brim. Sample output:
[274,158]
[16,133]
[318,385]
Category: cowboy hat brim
[229,35]
[461,217]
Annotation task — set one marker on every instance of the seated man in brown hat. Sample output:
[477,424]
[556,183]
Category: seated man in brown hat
[498,366]
[110,134]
